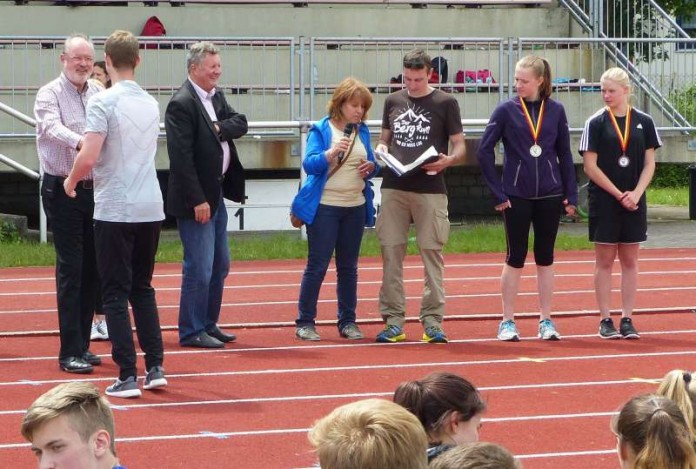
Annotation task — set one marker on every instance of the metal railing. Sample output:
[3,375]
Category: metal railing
[378,62]
[258,73]
[642,33]
[280,79]
[661,88]
[624,19]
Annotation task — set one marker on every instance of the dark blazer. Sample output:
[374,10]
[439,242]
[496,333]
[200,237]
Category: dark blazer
[195,152]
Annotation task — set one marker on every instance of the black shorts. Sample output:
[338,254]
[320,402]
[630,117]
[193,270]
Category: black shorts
[619,227]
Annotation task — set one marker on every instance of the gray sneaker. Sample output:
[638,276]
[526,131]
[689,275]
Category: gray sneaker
[125,388]
[352,332]
[155,378]
[307,333]
[99,331]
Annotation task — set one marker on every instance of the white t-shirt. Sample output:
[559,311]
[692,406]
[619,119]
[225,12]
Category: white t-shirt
[125,179]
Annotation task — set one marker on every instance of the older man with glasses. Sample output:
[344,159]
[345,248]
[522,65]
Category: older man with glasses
[60,123]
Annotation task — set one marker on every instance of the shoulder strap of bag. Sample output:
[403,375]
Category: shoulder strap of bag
[345,158]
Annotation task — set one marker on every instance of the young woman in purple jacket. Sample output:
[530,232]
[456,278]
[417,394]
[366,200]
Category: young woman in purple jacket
[538,183]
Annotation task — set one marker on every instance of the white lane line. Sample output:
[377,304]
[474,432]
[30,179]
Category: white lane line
[371,299]
[295,285]
[285,431]
[385,366]
[318,347]
[566,454]
[407,266]
[216,435]
[354,396]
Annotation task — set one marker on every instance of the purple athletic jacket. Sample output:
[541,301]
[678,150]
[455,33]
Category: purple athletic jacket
[524,176]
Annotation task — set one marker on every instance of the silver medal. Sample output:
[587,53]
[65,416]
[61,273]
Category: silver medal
[623,161]
[535,151]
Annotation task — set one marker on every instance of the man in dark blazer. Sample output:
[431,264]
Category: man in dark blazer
[203,167]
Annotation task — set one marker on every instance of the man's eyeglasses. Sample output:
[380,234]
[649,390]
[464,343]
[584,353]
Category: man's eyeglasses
[80,58]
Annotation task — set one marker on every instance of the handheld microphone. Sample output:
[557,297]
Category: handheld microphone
[347,131]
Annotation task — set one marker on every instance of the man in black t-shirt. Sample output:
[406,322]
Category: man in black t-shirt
[415,119]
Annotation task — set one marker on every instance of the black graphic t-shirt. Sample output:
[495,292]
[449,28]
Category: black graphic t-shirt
[416,124]
[599,136]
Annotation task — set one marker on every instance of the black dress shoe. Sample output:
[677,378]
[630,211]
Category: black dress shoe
[91,358]
[202,340]
[221,336]
[75,365]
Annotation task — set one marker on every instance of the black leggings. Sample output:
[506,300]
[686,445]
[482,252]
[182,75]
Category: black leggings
[544,215]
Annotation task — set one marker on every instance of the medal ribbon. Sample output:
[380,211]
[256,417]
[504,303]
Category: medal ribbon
[623,138]
[534,130]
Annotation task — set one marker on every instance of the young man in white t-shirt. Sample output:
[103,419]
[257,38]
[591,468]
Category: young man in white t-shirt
[120,146]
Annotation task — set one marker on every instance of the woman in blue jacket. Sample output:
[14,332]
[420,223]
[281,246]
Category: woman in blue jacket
[538,182]
[336,204]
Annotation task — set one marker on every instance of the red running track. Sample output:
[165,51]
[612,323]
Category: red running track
[250,405]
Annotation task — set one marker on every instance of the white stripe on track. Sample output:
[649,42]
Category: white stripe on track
[225,435]
[354,396]
[349,345]
[566,454]
[407,266]
[386,366]
[295,285]
[215,435]
[285,431]
[414,297]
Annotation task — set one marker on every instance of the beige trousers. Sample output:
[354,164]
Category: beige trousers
[428,213]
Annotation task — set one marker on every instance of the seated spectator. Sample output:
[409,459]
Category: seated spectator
[72,426]
[448,406]
[369,434]
[678,385]
[476,456]
[652,433]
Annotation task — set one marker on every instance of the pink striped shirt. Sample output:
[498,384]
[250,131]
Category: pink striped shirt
[59,111]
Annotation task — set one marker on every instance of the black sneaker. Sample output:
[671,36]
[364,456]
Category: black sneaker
[627,329]
[607,329]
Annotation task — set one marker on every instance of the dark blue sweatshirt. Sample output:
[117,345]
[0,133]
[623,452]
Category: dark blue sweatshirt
[551,174]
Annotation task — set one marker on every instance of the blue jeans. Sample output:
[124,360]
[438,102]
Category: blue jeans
[206,264]
[339,229]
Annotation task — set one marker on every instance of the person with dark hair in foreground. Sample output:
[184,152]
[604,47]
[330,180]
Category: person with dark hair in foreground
[448,406]
[652,433]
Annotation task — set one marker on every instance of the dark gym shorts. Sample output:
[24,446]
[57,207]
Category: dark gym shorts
[619,227]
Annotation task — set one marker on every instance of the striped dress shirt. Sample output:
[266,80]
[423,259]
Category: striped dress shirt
[60,116]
